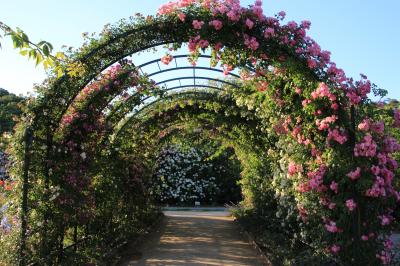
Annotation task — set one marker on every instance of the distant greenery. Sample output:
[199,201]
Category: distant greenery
[9,108]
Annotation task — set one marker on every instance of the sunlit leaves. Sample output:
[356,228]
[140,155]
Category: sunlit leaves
[40,53]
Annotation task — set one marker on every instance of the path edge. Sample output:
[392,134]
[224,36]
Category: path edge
[111,257]
[250,239]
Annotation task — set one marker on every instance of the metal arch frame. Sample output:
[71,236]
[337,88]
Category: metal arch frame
[170,96]
[176,68]
[167,90]
[182,78]
[174,123]
[189,67]
[129,119]
[180,68]
[115,110]
[195,78]
[157,101]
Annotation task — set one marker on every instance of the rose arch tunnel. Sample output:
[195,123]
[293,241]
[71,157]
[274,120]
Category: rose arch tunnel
[253,83]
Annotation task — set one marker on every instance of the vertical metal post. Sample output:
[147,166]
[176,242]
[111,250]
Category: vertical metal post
[61,246]
[75,238]
[24,201]
[49,142]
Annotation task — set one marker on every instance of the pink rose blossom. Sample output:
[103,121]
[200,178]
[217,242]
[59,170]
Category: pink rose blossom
[390,145]
[182,17]
[335,249]
[364,125]
[367,147]
[249,23]
[185,3]
[323,91]
[364,238]
[363,86]
[378,127]
[353,97]
[331,227]
[166,59]
[217,24]
[251,42]
[269,32]
[292,25]
[257,9]
[167,8]
[351,205]
[306,24]
[294,168]
[382,158]
[218,46]
[354,175]
[337,135]
[204,43]
[375,170]
[303,188]
[385,257]
[385,220]
[311,63]
[334,187]
[324,123]
[197,24]
[233,15]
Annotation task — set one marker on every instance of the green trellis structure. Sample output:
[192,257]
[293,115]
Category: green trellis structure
[60,95]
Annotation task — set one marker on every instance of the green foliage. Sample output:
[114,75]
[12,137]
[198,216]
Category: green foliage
[41,53]
[10,110]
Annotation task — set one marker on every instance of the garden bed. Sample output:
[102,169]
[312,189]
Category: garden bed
[279,248]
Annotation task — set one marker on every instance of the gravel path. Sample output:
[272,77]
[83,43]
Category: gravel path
[195,238]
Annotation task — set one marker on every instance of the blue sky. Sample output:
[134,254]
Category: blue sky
[363,36]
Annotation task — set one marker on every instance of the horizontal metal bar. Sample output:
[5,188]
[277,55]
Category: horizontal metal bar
[204,78]
[190,67]
[175,56]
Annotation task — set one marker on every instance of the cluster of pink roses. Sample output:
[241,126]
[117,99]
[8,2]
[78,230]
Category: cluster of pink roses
[294,168]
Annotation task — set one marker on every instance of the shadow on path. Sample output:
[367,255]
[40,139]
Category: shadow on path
[194,238]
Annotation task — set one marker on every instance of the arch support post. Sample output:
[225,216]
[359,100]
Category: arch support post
[24,200]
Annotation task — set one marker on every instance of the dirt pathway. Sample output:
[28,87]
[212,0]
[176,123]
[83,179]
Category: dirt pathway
[195,238]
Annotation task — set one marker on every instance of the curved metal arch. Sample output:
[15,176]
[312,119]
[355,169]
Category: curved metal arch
[129,119]
[178,87]
[181,68]
[174,122]
[113,112]
[92,77]
[163,98]
[139,68]
[189,67]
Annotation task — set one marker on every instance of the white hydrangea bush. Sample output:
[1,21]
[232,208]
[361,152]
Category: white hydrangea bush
[184,176]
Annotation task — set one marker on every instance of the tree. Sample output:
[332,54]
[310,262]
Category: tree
[9,109]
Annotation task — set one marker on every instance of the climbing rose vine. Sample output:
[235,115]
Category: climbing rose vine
[356,198]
